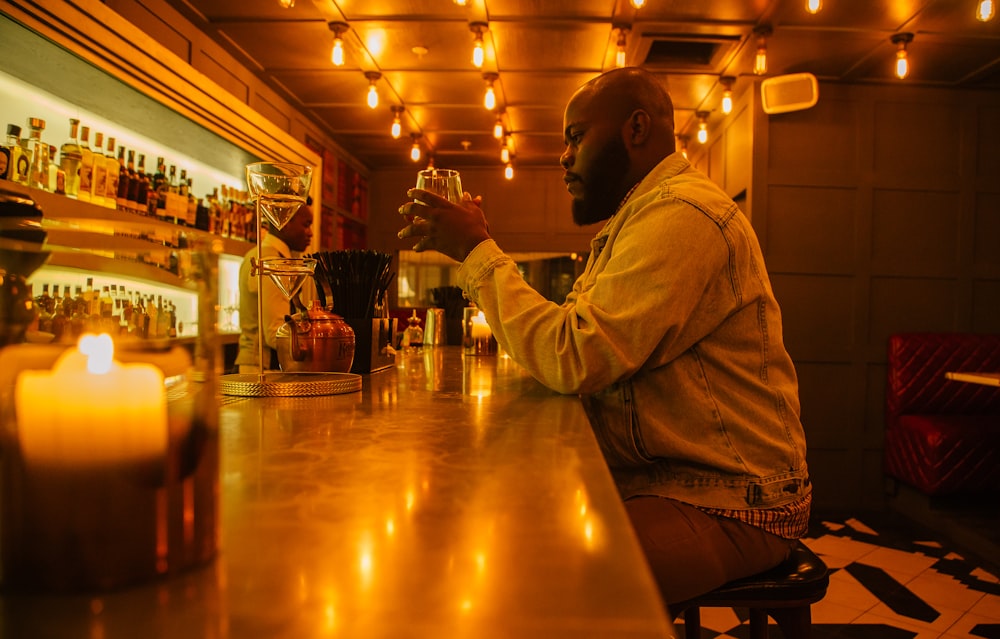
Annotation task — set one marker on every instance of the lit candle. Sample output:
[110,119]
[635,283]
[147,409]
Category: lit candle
[480,329]
[91,410]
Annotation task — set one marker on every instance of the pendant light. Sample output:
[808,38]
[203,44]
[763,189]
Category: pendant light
[814,6]
[702,126]
[337,54]
[620,50]
[902,61]
[727,93]
[760,59]
[373,77]
[490,99]
[397,124]
[638,4]
[478,53]
[508,171]
[985,10]
[498,127]
[287,4]
[415,149]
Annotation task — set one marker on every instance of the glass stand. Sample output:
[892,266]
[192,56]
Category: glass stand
[279,189]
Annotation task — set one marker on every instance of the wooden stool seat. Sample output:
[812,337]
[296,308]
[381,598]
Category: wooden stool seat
[784,593]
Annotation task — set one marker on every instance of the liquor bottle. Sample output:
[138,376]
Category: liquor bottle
[135,183]
[69,159]
[57,178]
[113,172]
[152,314]
[38,173]
[192,210]
[59,317]
[99,182]
[18,162]
[162,318]
[85,184]
[125,176]
[160,188]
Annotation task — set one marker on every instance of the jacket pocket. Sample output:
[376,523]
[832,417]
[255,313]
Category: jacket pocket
[615,423]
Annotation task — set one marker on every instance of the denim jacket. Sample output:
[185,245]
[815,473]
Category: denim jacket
[672,338]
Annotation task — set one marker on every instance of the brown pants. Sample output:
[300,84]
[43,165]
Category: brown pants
[691,552]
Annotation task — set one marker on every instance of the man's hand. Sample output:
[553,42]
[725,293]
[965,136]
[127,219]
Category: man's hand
[444,226]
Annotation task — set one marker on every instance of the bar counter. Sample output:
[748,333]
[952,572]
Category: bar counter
[454,496]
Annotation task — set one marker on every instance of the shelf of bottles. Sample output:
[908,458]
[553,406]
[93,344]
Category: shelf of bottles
[93,182]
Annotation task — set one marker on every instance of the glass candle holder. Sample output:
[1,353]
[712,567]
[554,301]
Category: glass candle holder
[110,445]
[477,337]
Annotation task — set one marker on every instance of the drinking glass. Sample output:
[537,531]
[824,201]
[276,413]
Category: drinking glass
[443,182]
[279,189]
[289,274]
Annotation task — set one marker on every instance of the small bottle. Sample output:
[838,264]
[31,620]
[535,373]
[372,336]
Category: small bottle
[18,161]
[99,182]
[38,176]
[85,185]
[413,335]
[112,170]
[69,159]
[124,176]
[57,178]
[135,183]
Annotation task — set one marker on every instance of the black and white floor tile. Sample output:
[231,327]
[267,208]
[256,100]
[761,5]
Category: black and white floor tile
[888,580]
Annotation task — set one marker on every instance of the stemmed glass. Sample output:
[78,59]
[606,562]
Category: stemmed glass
[279,189]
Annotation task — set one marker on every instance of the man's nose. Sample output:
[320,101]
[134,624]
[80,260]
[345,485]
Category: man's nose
[566,159]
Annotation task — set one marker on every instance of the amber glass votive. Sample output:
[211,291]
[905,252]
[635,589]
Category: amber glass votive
[477,337]
[110,450]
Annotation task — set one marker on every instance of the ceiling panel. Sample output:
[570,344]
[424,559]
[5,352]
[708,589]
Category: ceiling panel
[544,49]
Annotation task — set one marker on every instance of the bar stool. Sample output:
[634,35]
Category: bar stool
[784,593]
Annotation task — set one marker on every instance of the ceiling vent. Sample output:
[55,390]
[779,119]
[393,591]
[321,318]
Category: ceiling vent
[693,52]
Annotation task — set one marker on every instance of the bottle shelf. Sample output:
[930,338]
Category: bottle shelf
[66,209]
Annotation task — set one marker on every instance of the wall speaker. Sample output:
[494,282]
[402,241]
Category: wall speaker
[792,92]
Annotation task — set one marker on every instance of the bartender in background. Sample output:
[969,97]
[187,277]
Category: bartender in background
[289,241]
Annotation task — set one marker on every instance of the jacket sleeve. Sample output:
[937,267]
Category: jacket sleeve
[638,303]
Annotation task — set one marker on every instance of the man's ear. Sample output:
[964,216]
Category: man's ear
[638,128]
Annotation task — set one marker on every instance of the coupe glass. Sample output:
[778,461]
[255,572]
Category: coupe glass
[279,189]
[443,182]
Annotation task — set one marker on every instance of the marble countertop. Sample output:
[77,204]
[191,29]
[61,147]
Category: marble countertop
[453,496]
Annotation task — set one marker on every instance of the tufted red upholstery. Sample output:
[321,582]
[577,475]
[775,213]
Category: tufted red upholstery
[942,436]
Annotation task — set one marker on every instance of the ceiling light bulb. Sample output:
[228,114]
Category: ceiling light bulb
[373,77]
[460,3]
[760,59]
[702,126]
[985,10]
[477,52]
[397,126]
[902,63]
[490,100]
[508,171]
[504,155]
[620,52]
[638,4]
[287,4]
[814,6]
[415,151]
[498,128]
[337,55]
[727,94]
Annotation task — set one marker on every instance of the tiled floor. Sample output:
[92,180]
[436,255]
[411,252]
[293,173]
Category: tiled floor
[889,579]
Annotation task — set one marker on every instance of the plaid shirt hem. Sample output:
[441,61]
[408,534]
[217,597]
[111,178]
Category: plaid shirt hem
[790,521]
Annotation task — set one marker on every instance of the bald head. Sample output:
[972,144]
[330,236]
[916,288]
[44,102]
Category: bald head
[621,92]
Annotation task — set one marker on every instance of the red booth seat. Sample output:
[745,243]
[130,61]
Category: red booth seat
[942,436]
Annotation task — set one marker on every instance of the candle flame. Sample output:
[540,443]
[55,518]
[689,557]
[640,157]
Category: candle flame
[99,350]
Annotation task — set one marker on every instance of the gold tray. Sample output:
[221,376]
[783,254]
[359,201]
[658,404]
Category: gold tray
[278,384]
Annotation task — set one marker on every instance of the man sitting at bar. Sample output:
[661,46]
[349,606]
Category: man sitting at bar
[672,338]
[288,241]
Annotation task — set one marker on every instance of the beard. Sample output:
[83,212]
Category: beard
[603,184]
